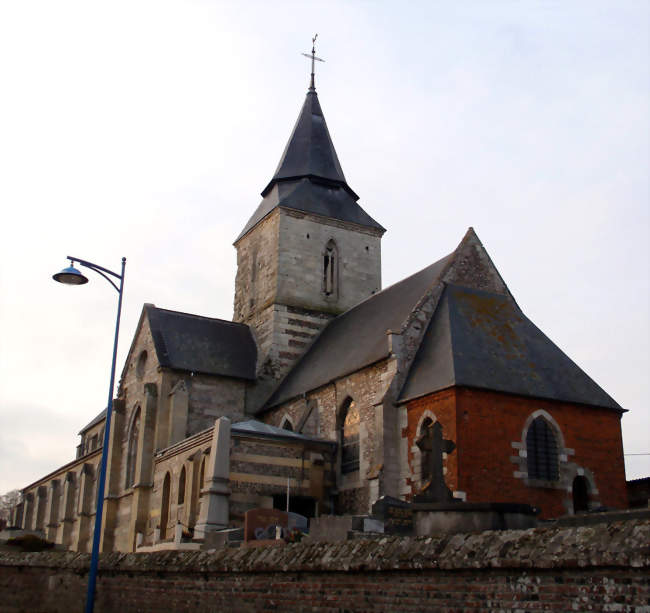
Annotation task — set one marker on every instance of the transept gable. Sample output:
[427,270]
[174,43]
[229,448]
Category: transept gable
[142,354]
[472,266]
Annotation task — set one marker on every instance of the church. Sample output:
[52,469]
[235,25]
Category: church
[322,386]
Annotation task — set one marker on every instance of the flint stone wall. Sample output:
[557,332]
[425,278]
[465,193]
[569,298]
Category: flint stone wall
[603,567]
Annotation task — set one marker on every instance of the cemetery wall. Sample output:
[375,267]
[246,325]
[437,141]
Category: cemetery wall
[601,567]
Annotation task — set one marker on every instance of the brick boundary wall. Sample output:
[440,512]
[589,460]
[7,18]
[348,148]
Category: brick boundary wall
[601,567]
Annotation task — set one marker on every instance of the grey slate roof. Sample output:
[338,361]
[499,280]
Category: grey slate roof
[311,197]
[255,427]
[201,344]
[474,339]
[483,340]
[94,422]
[309,151]
[309,177]
[357,338]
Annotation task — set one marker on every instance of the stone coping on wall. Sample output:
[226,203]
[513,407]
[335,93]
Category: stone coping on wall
[615,544]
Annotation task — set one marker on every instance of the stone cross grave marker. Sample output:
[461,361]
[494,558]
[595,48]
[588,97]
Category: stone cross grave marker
[433,443]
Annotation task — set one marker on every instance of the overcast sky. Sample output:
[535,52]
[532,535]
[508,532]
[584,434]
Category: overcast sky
[148,129]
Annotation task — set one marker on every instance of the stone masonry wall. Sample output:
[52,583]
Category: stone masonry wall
[213,397]
[603,567]
[257,269]
[303,239]
[319,413]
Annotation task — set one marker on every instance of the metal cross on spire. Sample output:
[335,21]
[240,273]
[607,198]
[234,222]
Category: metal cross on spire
[312,56]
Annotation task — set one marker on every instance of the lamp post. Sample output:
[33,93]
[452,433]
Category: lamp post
[72,276]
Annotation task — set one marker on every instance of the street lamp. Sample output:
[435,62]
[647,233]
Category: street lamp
[72,276]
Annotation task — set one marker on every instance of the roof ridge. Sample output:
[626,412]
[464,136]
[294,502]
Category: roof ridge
[425,296]
[196,316]
[428,292]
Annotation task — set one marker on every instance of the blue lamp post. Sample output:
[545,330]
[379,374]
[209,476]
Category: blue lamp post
[72,276]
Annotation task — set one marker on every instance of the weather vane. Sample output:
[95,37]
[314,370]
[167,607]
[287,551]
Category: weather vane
[313,57]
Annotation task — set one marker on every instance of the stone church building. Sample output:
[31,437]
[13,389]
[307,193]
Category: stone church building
[323,383]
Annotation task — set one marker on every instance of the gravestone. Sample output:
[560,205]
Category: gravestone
[433,446]
[396,515]
[260,524]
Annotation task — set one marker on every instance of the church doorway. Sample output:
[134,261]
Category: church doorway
[580,494]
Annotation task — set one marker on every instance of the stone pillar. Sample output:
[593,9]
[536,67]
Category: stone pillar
[316,477]
[178,410]
[112,485]
[143,480]
[17,516]
[84,509]
[52,510]
[66,524]
[193,488]
[41,506]
[29,512]
[214,513]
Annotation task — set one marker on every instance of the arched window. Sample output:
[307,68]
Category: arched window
[164,506]
[202,473]
[541,451]
[132,450]
[141,365]
[425,457]
[286,424]
[181,487]
[330,269]
[349,437]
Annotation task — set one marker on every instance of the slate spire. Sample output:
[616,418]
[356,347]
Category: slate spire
[310,152]
[309,177]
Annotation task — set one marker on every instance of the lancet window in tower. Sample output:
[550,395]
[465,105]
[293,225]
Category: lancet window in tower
[350,439]
[541,451]
[330,269]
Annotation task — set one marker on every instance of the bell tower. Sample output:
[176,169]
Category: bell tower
[308,253]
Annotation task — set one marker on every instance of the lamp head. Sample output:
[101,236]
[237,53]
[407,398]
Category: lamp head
[70,276]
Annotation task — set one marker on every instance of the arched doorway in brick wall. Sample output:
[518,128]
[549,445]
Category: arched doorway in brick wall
[580,492]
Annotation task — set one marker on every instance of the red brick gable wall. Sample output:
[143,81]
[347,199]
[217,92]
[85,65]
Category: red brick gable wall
[489,468]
